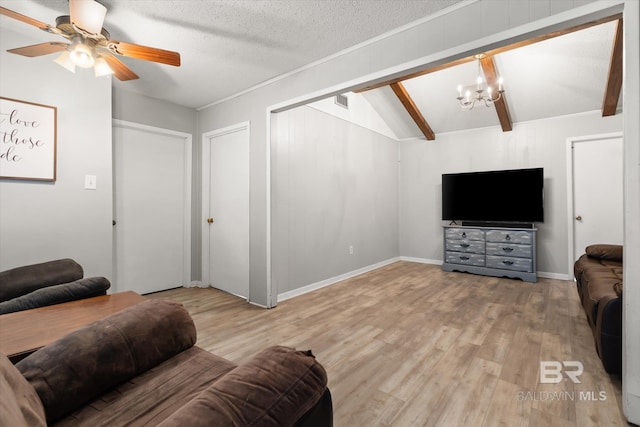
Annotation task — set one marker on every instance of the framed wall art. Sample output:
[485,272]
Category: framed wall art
[27,140]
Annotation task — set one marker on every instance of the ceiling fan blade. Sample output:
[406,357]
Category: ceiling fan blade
[143,52]
[121,71]
[39,49]
[87,15]
[20,17]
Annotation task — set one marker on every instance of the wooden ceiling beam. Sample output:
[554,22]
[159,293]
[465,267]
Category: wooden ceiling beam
[491,75]
[614,81]
[492,52]
[413,110]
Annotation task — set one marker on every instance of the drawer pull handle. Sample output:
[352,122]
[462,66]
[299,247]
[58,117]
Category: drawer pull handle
[464,245]
[464,258]
[507,262]
[464,234]
[507,249]
[508,237]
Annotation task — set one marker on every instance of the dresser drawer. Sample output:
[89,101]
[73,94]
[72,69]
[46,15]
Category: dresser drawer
[509,249]
[464,233]
[472,246]
[510,236]
[508,263]
[465,258]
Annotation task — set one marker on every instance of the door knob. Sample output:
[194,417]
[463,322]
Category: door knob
[210,220]
[579,218]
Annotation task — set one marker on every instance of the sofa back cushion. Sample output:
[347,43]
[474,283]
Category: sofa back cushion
[83,365]
[606,252]
[19,403]
[23,280]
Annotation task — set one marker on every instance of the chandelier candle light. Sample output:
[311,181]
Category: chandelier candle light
[487,97]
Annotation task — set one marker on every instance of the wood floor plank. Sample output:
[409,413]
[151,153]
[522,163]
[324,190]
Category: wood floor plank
[411,345]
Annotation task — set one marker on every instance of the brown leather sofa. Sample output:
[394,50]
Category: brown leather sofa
[598,276]
[140,367]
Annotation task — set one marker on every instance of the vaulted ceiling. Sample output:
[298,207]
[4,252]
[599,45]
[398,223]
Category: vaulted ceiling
[565,73]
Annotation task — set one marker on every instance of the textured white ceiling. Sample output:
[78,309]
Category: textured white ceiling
[228,46]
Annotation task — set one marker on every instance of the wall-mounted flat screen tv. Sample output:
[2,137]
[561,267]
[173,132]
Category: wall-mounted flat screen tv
[515,195]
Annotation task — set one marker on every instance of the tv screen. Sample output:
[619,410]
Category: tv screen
[494,196]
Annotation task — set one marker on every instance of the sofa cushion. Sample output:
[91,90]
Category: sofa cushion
[23,280]
[154,395]
[602,251]
[57,294]
[275,388]
[19,402]
[107,352]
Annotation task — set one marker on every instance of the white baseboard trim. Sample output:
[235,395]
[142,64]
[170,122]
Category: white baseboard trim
[558,276]
[333,280]
[631,407]
[421,260]
[258,305]
[195,284]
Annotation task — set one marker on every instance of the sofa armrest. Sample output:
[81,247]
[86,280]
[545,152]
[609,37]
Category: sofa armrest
[602,251]
[609,333]
[277,387]
[83,365]
[57,294]
[23,280]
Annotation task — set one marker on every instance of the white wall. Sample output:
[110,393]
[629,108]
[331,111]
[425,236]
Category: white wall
[540,143]
[42,221]
[334,185]
[631,301]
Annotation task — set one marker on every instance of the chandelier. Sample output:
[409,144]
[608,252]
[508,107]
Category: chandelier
[480,93]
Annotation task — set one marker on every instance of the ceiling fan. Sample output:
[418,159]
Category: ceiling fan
[89,44]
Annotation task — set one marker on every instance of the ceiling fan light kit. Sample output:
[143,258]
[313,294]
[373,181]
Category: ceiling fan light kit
[80,53]
[65,61]
[90,44]
[481,95]
[101,67]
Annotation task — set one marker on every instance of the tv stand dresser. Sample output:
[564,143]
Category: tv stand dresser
[491,251]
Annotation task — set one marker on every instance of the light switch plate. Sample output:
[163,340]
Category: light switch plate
[90,182]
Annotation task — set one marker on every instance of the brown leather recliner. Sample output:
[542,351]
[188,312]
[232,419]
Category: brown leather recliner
[598,276]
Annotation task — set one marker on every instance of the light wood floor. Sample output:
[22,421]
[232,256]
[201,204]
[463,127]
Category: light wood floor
[411,345]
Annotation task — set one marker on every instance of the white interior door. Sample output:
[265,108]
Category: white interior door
[152,198]
[597,192]
[226,209]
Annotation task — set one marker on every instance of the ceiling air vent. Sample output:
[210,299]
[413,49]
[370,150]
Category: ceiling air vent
[342,100]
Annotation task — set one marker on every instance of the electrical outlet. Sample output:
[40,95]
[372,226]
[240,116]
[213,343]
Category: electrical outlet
[351,250]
